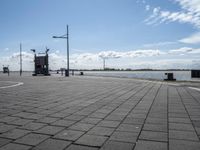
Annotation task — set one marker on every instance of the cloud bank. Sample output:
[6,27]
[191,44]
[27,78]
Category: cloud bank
[135,59]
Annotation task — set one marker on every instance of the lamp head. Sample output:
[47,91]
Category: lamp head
[33,50]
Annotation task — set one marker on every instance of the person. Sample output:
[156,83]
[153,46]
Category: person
[8,72]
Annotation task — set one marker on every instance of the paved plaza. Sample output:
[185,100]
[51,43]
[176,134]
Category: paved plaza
[97,113]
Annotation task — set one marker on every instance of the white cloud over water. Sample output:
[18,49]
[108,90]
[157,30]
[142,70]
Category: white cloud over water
[135,59]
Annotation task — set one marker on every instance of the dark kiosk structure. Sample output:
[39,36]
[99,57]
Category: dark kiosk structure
[170,77]
[5,69]
[195,73]
[41,63]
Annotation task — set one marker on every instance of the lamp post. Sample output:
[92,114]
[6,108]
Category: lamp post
[20,59]
[66,36]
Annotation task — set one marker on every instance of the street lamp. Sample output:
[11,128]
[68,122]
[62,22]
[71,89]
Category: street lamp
[66,36]
[20,60]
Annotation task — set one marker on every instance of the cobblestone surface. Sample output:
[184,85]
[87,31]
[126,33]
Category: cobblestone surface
[94,113]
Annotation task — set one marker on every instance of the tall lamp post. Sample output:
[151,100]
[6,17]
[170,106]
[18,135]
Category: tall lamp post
[66,36]
[20,60]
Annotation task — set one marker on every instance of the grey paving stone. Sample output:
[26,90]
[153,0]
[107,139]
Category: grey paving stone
[13,146]
[156,121]
[32,139]
[196,123]
[83,112]
[107,123]
[75,117]
[155,127]
[91,120]
[181,126]
[14,134]
[136,115]
[81,126]
[129,128]
[69,135]
[153,136]
[45,112]
[4,141]
[52,144]
[91,140]
[178,115]
[130,137]
[59,115]
[130,120]
[180,120]
[23,114]
[20,122]
[98,115]
[63,123]
[47,120]
[5,128]
[183,135]
[80,147]
[8,119]
[33,126]
[103,131]
[50,130]
[115,117]
[198,131]
[35,116]
[150,145]
[115,145]
[183,145]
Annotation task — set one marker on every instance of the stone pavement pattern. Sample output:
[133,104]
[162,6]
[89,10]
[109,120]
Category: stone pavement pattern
[94,113]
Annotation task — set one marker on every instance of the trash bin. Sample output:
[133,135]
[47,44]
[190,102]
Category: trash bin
[170,77]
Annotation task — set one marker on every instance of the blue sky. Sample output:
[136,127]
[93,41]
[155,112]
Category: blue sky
[129,33]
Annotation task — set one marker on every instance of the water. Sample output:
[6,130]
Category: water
[158,75]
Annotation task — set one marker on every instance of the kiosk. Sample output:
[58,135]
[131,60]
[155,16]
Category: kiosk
[41,63]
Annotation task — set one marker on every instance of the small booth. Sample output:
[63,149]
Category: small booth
[170,77]
[41,62]
[195,73]
[5,69]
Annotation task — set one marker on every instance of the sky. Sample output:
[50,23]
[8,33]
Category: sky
[136,34]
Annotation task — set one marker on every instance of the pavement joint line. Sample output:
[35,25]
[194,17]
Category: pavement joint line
[186,109]
[188,112]
[9,86]
[151,105]
[193,88]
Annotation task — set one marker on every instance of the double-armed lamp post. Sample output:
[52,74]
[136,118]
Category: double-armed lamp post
[66,36]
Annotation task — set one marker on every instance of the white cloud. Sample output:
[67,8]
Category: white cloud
[181,50]
[57,52]
[135,59]
[129,54]
[190,13]
[193,39]
[184,51]
[141,1]
[147,7]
